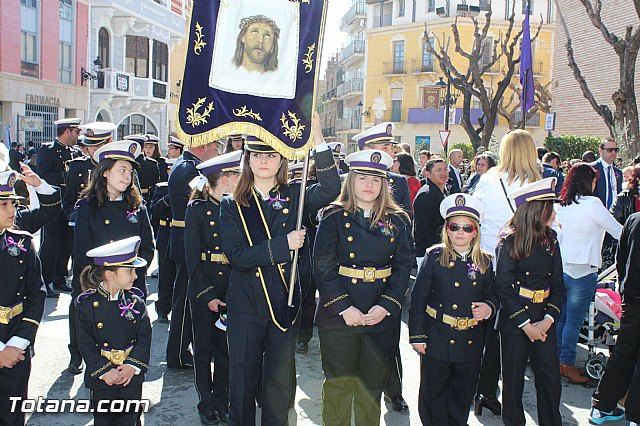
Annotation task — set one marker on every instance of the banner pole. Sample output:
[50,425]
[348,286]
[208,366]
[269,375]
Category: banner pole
[294,262]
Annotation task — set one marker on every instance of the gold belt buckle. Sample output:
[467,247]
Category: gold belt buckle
[5,315]
[118,356]
[369,274]
[462,323]
[538,296]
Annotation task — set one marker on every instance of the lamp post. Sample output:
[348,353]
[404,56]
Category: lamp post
[448,101]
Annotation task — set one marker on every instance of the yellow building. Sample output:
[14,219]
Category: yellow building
[399,69]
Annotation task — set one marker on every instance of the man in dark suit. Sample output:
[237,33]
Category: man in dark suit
[380,137]
[455,182]
[550,168]
[428,222]
[15,157]
[610,179]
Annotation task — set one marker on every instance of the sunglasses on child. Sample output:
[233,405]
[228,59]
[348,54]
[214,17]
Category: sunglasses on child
[455,227]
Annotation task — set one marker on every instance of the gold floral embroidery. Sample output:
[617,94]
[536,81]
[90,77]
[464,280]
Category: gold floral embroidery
[293,131]
[308,58]
[196,118]
[199,44]
[335,300]
[244,112]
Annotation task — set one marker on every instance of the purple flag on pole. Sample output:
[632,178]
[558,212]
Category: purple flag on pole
[526,67]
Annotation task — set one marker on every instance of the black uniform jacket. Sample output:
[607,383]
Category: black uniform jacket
[627,258]
[163,168]
[348,240]
[161,216]
[79,176]
[450,291]
[427,219]
[98,225]
[148,176]
[101,324]
[21,283]
[245,293]
[53,159]
[182,172]
[207,280]
[31,220]
[540,271]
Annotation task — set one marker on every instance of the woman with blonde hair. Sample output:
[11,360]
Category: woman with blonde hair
[361,289]
[453,295]
[518,167]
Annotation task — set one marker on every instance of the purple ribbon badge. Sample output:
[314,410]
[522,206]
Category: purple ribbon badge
[132,216]
[127,310]
[13,247]
[472,271]
[384,227]
[276,202]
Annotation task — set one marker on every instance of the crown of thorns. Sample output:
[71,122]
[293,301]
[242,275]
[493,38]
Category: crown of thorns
[245,22]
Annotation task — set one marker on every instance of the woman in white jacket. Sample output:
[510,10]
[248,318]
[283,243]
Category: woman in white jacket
[584,221]
[518,166]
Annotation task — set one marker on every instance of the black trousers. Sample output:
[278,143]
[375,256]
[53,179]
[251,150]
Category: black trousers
[14,383]
[307,311]
[127,393]
[209,343]
[74,350]
[180,331]
[393,388]
[622,374]
[256,344]
[166,278]
[56,249]
[356,367]
[490,368]
[446,391]
[516,350]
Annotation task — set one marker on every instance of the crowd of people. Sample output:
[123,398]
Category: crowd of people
[507,253]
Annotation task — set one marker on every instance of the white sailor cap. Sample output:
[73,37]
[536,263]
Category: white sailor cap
[222,163]
[236,137]
[127,150]
[462,205]
[255,144]
[542,190]
[337,148]
[139,138]
[97,133]
[67,123]
[175,141]
[152,139]
[369,162]
[7,185]
[121,253]
[380,133]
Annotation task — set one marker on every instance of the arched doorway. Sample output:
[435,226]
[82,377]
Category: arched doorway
[136,123]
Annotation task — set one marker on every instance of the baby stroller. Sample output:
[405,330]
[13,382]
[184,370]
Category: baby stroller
[602,322]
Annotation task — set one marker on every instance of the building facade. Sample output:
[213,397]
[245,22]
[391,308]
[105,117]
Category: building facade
[400,71]
[597,61]
[129,52]
[328,101]
[43,51]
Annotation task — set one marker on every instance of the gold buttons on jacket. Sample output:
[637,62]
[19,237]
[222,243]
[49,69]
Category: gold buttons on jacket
[454,306]
[452,264]
[107,221]
[216,248]
[526,273]
[208,212]
[475,283]
[220,273]
[384,280]
[105,344]
[354,281]
[392,240]
[99,325]
[345,214]
[470,342]
[352,255]
[452,342]
[456,284]
[285,211]
[349,238]
[258,274]
[212,223]
[96,304]
[347,225]
[215,235]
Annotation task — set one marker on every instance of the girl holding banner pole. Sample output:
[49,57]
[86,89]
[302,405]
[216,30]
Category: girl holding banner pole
[257,227]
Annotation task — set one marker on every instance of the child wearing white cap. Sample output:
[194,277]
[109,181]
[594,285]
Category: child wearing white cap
[114,332]
[530,288]
[454,292]
[362,261]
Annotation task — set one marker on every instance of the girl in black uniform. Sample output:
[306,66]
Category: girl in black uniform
[454,292]
[111,208]
[114,332]
[530,288]
[362,261]
[257,228]
[208,270]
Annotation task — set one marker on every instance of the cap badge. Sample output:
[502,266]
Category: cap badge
[89,132]
[376,157]
[133,147]
[389,129]
[460,201]
[12,180]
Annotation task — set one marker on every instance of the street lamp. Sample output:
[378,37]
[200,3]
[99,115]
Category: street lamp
[448,101]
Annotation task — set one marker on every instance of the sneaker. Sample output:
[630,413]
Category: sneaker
[630,423]
[599,417]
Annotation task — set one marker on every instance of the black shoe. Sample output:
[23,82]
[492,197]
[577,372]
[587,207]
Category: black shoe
[302,347]
[490,402]
[163,319]
[222,416]
[397,403]
[208,418]
[63,287]
[51,293]
[75,367]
